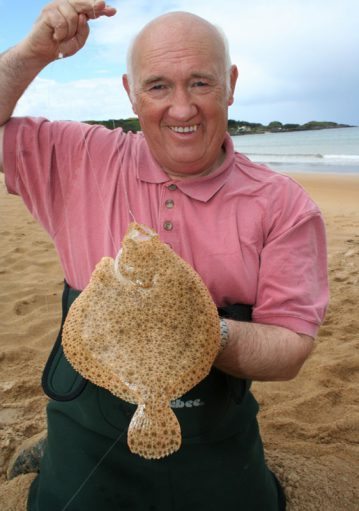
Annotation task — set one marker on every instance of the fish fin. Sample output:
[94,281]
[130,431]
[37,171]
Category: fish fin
[154,432]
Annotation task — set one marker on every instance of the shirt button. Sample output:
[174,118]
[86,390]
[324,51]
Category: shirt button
[168,226]
[172,187]
[169,203]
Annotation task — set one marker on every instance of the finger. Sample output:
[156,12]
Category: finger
[92,8]
[83,28]
[106,11]
[65,18]
[67,21]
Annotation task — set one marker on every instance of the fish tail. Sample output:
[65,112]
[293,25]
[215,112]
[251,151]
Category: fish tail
[154,432]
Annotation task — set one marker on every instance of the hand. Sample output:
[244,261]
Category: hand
[62,28]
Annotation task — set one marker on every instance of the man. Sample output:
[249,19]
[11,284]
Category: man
[253,235]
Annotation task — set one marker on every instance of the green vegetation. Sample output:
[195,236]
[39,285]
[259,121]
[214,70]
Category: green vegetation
[234,127]
[130,124]
[246,128]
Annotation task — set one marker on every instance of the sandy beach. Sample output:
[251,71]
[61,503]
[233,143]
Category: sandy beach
[310,426]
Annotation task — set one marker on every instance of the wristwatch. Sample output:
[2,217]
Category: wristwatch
[224,333]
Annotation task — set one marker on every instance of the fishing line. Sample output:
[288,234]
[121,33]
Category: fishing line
[20,157]
[118,252]
[101,198]
[106,218]
[132,216]
[92,471]
[108,226]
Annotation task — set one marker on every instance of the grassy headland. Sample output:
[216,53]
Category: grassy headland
[234,127]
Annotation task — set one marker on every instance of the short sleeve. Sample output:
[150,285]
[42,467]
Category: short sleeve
[292,281]
[37,165]
[43,161]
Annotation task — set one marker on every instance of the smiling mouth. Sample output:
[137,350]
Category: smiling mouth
[184,129]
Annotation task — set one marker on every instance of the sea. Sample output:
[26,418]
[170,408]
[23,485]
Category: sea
[317,151]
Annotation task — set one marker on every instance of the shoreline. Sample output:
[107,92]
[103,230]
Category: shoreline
[324,170]
[265,130]
[319,151]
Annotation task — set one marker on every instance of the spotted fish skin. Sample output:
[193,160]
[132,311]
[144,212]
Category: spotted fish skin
[154,430]
[146,329]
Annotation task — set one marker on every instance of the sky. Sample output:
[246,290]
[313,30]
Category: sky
[298,60]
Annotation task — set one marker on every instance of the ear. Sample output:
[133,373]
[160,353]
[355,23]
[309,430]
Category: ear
[126,84]
[232,82]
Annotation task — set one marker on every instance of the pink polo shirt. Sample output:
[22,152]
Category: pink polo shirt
[253,235]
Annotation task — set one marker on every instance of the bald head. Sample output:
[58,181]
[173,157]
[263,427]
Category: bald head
[175,26]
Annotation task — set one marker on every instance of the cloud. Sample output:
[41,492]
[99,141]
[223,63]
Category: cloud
[289,53]
[94,99]
[296,59]
[115,34]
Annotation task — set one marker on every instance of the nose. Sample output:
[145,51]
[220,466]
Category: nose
[182,107]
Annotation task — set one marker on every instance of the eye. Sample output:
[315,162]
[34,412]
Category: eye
[157,87]
[200,83]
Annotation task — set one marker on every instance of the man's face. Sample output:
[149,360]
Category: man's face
[181,99]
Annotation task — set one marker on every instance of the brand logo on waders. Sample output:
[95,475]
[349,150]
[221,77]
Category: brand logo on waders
[190,403]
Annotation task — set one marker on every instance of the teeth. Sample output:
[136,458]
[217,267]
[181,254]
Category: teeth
[184,129]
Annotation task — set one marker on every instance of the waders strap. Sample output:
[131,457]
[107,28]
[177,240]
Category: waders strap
[237,311]
[62,383]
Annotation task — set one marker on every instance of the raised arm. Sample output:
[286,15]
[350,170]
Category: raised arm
[60,31]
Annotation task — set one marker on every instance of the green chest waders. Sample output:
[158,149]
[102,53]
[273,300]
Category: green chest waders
[87,465]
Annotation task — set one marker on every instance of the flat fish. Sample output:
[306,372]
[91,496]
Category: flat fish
[146,329]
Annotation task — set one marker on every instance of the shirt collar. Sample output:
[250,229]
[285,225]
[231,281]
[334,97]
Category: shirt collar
[202,188]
